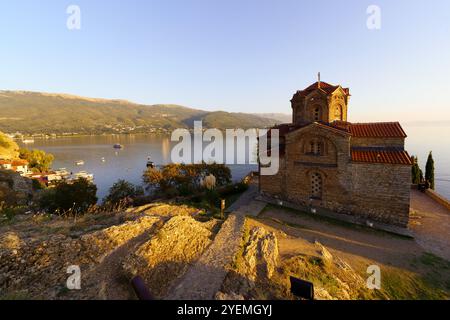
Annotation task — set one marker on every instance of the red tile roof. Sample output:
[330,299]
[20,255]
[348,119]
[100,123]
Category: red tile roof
[357,130]
[382,156]
[377,130]
[328,88]
[14,163]
[20,162]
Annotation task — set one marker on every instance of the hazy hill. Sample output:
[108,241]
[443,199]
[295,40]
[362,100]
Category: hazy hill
[280,117]
[33,112]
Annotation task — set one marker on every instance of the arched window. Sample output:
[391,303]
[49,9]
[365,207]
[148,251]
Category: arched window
[338,112]
[316,114]
[312,147]
[315,148]
[316,185]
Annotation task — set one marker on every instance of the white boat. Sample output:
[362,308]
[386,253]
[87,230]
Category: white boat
[80,163]
[63,172]
[150,163]
[85,175]
[28,141]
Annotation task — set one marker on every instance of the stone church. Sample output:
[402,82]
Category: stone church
[357,171]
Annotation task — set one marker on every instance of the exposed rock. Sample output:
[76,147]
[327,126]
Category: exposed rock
[168,254]
[260,254]
[228,296]
[327,257]
[100,243]
[322,294]
[15,189]
[41,266]
[164,210]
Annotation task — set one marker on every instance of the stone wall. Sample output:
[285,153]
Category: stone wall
[381,192]
[378,192]
[332,165]
[274,185]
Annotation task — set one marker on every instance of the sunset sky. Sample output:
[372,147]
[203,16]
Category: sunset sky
[234,55]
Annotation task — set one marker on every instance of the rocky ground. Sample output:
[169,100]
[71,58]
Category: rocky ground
[182,253]
[157,242]
[261,272]
[335,257]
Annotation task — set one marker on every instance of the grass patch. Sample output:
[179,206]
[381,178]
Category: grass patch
[403,285]
[17,295]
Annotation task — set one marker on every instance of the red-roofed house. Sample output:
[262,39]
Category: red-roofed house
[357,169]
[17,165]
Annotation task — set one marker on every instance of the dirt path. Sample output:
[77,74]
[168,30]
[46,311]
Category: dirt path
[360,245]
[430,224]
[204,279]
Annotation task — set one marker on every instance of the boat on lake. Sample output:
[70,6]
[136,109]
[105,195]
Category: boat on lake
[63,172]
[28,141]
[150,163]
[118,146]
[84,175]
[80,163]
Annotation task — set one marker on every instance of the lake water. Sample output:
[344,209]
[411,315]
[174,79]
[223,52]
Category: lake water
[130,162]
[423,139]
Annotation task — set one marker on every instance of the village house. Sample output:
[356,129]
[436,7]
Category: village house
[360,170]
[17,165]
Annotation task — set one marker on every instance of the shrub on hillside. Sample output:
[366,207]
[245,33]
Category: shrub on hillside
[123,191]
[184,179]
[38,160]
[75,197]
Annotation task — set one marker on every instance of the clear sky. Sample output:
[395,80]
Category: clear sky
[235,55]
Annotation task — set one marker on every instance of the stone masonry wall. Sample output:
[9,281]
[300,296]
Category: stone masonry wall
[273,185]
[333,166]
[378,192]
[381,192]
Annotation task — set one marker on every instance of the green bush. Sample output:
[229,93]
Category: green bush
[75,197]
[38,160]
[184,179]
[123,191]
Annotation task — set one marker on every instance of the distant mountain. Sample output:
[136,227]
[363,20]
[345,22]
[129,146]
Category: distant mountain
[35,112]
[280,117]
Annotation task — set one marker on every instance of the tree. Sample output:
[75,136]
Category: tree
[417,174]
[123,190]
[37,159]
[183,179]
[75,197]
[429,170]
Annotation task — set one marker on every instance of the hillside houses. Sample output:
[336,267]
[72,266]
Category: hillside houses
[16,165]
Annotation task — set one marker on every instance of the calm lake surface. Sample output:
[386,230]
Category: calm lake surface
[130,162]
[423,139]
